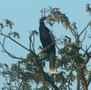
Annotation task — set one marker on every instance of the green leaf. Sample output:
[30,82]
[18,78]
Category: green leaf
[15,34]
[74,26]
[9,23]
[6,65]
[88,8]
[34,32]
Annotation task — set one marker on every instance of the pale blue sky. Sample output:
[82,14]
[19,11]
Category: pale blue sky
[26,14]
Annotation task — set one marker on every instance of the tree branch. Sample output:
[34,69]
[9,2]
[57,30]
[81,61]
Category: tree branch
[11,55]
[15,42]
[89,78]
[47,78]
[85,28]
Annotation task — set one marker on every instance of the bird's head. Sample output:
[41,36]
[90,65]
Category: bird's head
[42,19]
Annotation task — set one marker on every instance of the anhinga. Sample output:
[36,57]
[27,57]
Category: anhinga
[48,43]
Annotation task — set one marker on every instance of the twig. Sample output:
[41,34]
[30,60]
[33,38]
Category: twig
[89,47]
[84,36]
[84,28]
[44,49]
[16,42]
[11,55]
[47,78]
[78,81]
[66,79]
[74,33]
[89,78]
[87,53]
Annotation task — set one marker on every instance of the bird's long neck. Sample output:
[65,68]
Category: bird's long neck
[42,26]
[42,23]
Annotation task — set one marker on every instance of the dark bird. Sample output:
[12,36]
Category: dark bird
[48,43]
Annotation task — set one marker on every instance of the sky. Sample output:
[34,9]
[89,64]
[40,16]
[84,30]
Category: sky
[26,13]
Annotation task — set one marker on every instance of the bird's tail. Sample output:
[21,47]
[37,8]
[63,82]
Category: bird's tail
[52,63]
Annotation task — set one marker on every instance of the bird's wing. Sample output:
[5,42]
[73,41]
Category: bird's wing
[52,36]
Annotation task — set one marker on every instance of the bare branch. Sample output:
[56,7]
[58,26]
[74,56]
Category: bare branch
[11,55]
[85,28]
[84,36]
[47,78]
[75,34]
[16,42]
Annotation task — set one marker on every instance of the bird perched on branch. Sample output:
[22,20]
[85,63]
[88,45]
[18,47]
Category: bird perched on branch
[48,43]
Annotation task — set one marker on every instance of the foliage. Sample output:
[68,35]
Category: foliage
[88,8]
[71,59]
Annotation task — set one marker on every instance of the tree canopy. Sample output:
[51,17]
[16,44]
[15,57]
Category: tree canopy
[71,59]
